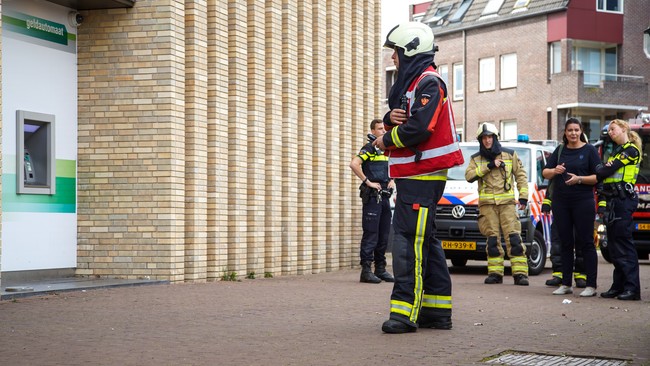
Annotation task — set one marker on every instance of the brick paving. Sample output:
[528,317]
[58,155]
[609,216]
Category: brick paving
[322,319]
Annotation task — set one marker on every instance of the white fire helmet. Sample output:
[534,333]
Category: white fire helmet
[413,37]
[487,128]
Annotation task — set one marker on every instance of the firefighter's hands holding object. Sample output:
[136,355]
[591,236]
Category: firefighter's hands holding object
[496,163]
[398,116]
[379,143]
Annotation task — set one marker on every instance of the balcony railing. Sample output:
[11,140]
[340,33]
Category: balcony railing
[608,89]
[597,79]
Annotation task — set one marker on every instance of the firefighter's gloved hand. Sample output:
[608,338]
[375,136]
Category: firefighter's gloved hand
[523,201]
[491,165]
[546,208]
[601,210]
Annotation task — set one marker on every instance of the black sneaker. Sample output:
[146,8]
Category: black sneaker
[396,327]
[493,278]
[441,322]
[555,281]
[521,280]
[581,283]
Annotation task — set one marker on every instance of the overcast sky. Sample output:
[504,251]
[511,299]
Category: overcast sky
[394,12]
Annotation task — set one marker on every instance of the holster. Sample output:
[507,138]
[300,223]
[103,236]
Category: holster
[366,193]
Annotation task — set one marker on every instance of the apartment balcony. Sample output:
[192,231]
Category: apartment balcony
[613,92]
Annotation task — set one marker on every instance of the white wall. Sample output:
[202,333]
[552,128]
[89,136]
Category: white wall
[39,75]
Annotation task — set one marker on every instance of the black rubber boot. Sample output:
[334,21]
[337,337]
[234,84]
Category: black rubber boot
[440,322]
[396,327]
[581,283]
[380,271]
[555,281]
[366,274]
[493,278]
[521,280]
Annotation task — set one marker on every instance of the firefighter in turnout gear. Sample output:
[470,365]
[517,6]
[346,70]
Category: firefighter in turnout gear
[619,175]
[371,166]
[497,169]
[422,144]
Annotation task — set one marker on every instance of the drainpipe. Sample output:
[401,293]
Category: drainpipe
[465,85]
[549,128]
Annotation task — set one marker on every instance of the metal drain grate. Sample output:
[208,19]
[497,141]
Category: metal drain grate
[531,359]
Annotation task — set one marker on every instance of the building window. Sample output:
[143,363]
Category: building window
[598,64]
[614,6]
[486,74]
[492,7]
[556,58]
[439,16]
[646,42]
[509,130]
[460,13]
[591,126]
[443,70]
[509,71]
[521,4]
[459,76]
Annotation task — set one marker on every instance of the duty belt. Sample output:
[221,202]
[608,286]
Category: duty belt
[618,189]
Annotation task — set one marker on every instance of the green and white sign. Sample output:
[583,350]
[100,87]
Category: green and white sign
[38,30]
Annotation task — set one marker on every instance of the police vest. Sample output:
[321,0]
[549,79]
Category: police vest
[628,172]
[375,164]
[440,151]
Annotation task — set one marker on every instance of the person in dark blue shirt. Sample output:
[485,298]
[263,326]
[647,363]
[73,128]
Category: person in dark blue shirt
[573,204]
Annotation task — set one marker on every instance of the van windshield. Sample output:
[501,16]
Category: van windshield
[458,172]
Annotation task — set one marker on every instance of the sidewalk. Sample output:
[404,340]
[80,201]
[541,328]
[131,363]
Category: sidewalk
[321,319]
[20,289]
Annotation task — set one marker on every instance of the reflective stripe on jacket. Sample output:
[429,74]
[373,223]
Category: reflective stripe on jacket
[440,149]
[495,186]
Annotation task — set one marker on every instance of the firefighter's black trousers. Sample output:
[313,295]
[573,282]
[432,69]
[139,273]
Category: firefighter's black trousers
[422,288]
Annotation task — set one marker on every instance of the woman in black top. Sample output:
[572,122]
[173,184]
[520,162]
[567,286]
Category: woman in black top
[573,203]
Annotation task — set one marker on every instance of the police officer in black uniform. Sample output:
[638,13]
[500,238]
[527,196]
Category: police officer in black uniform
[371,166]
[618,175]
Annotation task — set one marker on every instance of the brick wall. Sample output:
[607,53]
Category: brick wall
[1,129]
[215,136]
[522,103]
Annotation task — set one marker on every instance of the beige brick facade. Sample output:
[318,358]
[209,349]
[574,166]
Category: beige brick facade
[215,136]
[1,129]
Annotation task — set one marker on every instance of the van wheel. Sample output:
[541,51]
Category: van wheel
[459,262]
[537,255]
[604,251]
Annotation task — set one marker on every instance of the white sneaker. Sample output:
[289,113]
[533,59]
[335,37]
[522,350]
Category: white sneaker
[563,290]
[588,292]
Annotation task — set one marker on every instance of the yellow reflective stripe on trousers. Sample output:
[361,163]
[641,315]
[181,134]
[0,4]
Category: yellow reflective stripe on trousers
[420,229]
[519,265]
[579,276]
[436,301]
[400,307]
[495,265]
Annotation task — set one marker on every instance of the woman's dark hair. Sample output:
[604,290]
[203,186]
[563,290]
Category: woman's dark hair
[569,121]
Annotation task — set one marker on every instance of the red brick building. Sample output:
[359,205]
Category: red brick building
[528,65]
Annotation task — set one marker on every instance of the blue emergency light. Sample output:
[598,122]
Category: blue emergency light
[523,138]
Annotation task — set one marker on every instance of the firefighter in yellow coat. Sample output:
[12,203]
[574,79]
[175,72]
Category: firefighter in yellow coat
[495,167]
